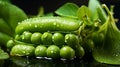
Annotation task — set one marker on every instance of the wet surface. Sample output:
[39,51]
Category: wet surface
[35,62]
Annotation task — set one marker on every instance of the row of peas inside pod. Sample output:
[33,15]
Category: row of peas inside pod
[48,44]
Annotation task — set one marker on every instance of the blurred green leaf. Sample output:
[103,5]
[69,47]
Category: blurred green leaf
[5,28]
[4,38]
[11,14]
[3,55]
[96,10]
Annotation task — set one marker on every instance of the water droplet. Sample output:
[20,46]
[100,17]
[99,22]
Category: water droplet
[116,55]
[23,51]
[29,24]
[18,22]
[51,51]
[61,25]
[27,60]
[36,26]
[54,23]
[58,25]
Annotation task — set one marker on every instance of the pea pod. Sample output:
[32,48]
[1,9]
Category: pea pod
[43,24]
[22,50]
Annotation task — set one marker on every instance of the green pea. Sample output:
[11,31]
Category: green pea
[88,45]
[26,37]
[98,38]
[58,39]
[22,50]
[46,38]
[79,51]
[43,24]
[67,52]
[36,38]
[40,51]
[10,44]
[72,40]
[53,51]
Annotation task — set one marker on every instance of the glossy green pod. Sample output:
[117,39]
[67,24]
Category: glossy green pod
[44,24]
[22,50]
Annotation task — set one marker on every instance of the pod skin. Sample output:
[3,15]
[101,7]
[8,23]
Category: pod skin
[44,24]
[22,50]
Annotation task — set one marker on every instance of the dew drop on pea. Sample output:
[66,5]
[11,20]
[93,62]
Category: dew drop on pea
[54,23]
[30,24]
[18,22]
[36,26]
[57,25]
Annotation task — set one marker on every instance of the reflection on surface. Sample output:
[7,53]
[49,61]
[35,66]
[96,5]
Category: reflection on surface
[34,62]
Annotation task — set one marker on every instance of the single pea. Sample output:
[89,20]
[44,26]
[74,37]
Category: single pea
[53,51]
[79,51]
[22,50]
[40,51]
[46,38]
[36,38]
[26,36]
[58,39]
[98,38]
[10,44]
[71,40]
[67,52]
[89,45]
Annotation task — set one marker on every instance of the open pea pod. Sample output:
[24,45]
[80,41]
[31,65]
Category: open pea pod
[107,42]
[4,38]
[11,14]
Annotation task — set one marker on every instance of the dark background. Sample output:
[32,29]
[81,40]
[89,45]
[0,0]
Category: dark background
[31,6]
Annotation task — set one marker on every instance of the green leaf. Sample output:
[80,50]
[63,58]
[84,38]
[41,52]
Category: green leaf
[11,14]
[49,14]
[84,14]
[3,55]
[6,0]
[101,14]
[68,10]
[4,38]
[107,45]
[5,28]
[83,11]
[40,12]
[97,11]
